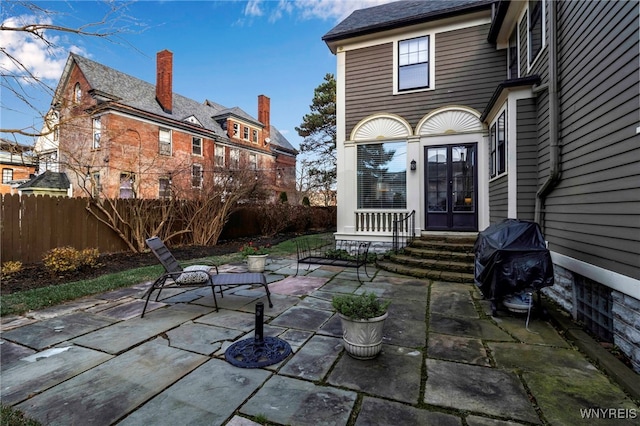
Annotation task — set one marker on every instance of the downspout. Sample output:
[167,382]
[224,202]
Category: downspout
[554,117]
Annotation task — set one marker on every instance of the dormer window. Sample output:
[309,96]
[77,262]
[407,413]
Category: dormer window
[77,93]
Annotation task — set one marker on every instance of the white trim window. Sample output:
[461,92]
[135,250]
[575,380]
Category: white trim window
[164,142]
[234,158]
[196,176]
[7,176]
[254,136]
[245,133]
[513,68]
[126,185]
[219,156]
[413,64]
[536,29]
[164,188]
[97,133]
[382,175]
[498,146]
[96,188]
[236,129]
[253,161]
[196,145]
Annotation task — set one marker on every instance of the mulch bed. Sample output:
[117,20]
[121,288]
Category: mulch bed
[36,275]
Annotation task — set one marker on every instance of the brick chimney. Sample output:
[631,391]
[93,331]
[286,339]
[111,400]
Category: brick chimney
[264,114]
[164,80]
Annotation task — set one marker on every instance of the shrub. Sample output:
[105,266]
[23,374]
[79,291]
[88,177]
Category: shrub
[360,306]
[62,259]
[68,259]
[89,257]
[11,267]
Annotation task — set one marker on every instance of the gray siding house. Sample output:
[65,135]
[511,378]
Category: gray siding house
[469,112]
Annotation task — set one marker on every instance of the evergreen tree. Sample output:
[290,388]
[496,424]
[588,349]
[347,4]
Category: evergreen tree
[319,132]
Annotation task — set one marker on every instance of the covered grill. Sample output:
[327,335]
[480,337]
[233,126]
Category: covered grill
[511,258]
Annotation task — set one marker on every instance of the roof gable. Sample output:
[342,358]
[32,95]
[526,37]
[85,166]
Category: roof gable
[112,85]
[399,14]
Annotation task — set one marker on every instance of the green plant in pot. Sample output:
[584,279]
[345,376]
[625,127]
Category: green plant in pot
[362,317]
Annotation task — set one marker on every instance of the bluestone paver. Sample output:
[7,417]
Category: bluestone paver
[114,388]
[394,374]
[478,390]
[49,332]
[291,401]
[375,411]
[38,372]
[456,348]
[444,361]
[127,334]
[469,327]
[206,396]
[314,360]
[201,338]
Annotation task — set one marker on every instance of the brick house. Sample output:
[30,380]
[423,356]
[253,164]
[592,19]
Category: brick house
[117,136]
[469,112]
[18,164]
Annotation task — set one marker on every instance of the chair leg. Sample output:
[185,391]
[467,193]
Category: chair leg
[146,302]
[215,301]
[268,294]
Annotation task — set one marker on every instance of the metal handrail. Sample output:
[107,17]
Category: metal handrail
[404,231]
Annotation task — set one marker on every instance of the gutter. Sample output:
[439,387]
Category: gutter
[554,118]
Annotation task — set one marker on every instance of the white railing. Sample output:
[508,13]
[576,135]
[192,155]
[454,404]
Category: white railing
[379,221]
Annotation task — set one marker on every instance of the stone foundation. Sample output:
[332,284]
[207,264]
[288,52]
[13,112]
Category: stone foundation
[625,310]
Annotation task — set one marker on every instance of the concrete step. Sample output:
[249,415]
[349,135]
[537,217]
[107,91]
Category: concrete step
[430,274]
[440,264]
[442,244]
[444,255]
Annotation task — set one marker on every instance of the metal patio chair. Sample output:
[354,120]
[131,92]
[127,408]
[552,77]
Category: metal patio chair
[196,275]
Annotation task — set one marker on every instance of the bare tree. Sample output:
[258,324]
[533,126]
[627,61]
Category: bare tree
[208,204]
[30,24]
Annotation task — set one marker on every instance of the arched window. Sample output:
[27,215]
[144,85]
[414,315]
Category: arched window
[77,93]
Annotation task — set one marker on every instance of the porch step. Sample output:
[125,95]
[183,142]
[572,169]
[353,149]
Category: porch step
[439,264]
[435,275]
[436,257]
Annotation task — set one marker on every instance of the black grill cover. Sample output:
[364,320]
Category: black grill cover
[511,256]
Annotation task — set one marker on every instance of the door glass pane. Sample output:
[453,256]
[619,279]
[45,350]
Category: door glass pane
[437,179]
[463,169]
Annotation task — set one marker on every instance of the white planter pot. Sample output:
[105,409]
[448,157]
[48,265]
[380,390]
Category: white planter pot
[256,263]
[362,339]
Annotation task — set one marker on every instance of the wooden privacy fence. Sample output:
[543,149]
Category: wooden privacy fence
[32,225]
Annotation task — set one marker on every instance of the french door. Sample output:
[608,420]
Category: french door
[451,187]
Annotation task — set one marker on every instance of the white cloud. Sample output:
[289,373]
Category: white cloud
[42,60]
[253,8]
[308,9]
[333,9]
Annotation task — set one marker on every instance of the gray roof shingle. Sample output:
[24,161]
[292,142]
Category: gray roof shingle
[140,95]
[48,179]
[397,14]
